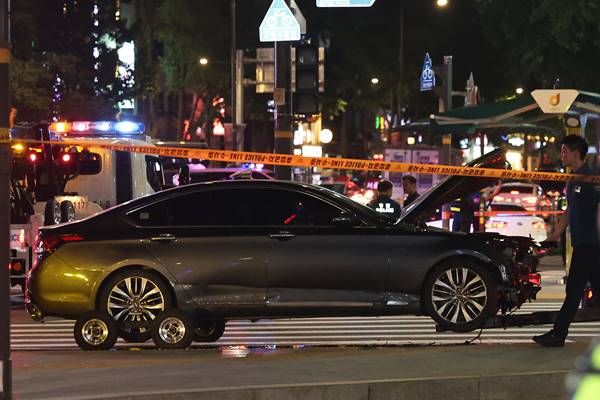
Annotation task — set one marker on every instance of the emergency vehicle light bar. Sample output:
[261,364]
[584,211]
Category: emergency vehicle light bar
[100,128]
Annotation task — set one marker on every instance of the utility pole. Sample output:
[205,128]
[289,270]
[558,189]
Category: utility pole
[283,112]
[239,126]
[5,165]
[447,138]
[233,75]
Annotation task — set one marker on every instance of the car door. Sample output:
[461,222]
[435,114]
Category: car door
[314,260]
[202,239]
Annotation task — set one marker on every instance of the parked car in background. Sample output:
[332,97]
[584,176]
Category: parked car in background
[198,173]
[509,222]
[527,195]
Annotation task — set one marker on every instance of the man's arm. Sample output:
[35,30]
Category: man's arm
[560,227]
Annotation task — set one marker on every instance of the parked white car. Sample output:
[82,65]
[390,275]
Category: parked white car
[511,224]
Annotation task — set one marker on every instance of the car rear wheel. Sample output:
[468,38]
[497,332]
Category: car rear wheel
[460,295]
[209,331]
[95,331]
[134,298]
[172,329]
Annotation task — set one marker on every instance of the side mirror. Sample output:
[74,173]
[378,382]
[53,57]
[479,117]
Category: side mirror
[346,220]
[79,163]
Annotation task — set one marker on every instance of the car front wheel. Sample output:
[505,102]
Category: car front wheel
[460,295]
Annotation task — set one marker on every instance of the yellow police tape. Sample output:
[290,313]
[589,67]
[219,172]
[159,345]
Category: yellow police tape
[335,163]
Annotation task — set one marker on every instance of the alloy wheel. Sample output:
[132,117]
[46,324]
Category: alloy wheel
[94,332]
[135,299]
[171,330]
[459,295]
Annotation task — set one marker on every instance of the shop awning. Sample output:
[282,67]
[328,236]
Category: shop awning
[521,112]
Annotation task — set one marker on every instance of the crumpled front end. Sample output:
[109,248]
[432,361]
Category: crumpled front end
[521,281]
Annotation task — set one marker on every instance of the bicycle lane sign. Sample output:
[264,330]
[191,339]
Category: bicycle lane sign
[279,25]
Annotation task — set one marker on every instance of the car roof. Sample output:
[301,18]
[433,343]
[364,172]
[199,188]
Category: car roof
[530,184]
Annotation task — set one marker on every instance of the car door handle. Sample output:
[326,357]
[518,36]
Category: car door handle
[163,238]
[282,236]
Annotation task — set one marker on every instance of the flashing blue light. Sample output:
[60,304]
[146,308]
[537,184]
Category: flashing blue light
[128,127]
[102,126]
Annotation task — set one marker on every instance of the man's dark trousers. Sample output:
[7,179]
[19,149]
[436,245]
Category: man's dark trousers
[585,267]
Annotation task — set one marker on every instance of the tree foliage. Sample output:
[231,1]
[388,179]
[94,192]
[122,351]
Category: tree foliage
[538,41]
[54,40]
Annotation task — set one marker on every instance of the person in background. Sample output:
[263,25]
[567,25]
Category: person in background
[383,203]
[409,186]
[583,201]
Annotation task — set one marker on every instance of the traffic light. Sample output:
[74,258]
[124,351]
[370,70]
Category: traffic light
[307,80]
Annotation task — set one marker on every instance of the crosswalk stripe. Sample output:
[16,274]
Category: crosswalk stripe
[326,331]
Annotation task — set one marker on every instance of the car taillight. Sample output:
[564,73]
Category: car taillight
[496,224]
[534,278]
[538,225]
[49,244]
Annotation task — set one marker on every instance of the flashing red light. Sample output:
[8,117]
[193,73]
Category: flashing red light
[16,266]
[81,126]
[66,157]
[33,157]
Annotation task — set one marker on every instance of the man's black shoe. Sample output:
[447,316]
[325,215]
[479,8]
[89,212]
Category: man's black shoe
[550,339]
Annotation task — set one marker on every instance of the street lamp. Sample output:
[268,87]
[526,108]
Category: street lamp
[204,61]
[375,81]
[442,3]
[519,90]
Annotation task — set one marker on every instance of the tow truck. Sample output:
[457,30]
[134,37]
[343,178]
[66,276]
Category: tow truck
[53,182]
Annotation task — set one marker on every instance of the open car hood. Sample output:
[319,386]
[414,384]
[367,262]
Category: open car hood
[453,187]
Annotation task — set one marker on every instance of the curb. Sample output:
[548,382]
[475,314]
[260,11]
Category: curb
[543,385]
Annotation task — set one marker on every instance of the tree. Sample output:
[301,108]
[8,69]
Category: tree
[189,30]
[53,45]
[539,41]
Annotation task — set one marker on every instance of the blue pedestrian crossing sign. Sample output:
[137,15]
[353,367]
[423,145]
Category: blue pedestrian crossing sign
[279,25]
[427,75]
[345,3]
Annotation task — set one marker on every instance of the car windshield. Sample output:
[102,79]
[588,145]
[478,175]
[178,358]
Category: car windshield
[506,207]
[516,188]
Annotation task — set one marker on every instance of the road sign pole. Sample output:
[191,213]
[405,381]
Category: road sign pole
[282,115]
[447,138]
[5,165]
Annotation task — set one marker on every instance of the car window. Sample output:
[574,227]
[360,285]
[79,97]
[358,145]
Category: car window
[238,207]
[186,210]
[290,208]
